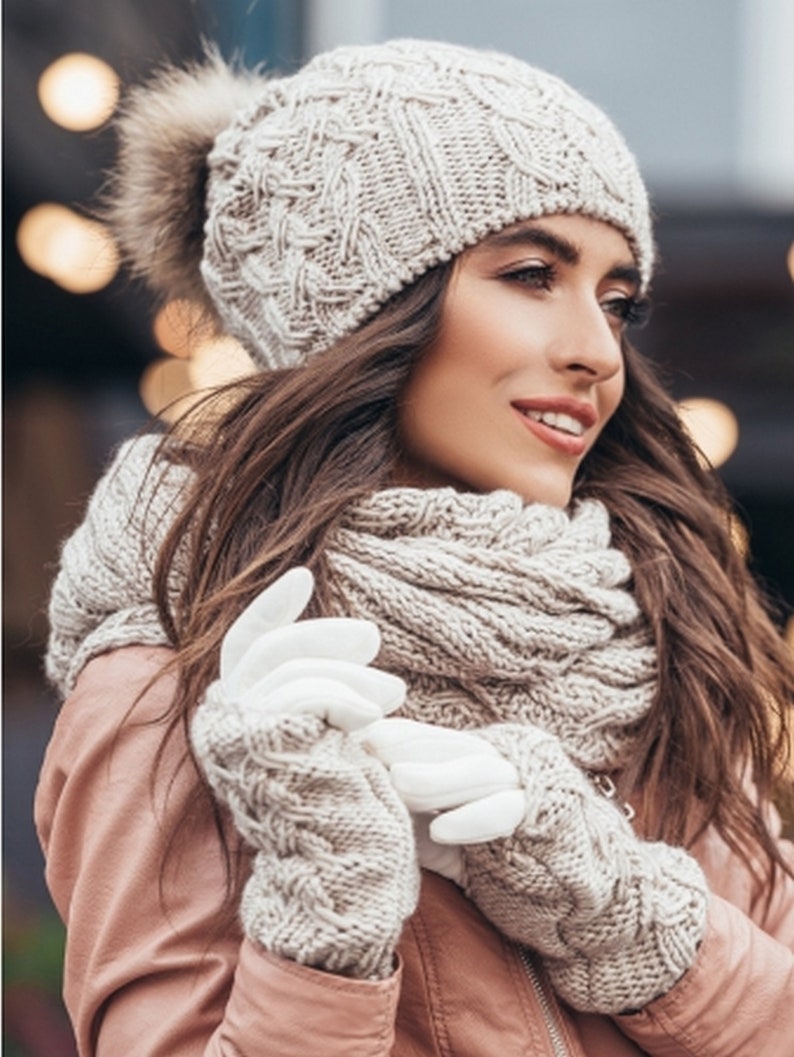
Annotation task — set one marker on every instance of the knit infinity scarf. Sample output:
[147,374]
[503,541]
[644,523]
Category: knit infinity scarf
[491,610]
[496,611]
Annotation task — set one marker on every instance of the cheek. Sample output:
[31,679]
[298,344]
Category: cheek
[617,387]
[433,405]
[449,374]
[445,403]
[609,400]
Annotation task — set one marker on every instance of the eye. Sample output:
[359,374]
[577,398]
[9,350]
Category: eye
[629,311]
[537,275]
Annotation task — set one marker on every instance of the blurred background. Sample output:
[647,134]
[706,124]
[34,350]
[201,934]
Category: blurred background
[704,93]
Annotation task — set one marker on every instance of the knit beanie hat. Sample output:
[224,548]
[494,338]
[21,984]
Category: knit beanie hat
[294,207]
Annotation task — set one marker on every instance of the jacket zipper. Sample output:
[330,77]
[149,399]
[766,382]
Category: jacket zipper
[556,1037]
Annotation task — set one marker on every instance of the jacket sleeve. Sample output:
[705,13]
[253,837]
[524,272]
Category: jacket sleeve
[151,968]
[738,997]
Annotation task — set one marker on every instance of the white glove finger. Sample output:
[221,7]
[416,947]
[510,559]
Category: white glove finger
[482,820]
[333,701]
[343,638]
[279,604]
[435,786]
[401,740]
[444,859]
[385,690]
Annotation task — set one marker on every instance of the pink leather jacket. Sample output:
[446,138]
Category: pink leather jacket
[150,970]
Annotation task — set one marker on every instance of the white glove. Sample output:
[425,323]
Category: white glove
[273,665]
[457,786]
[335,873]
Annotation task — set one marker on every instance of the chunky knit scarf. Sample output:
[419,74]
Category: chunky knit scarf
[495,611]
[515,619]
[491,610]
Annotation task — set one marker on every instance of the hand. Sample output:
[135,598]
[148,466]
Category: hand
[335,873]
[458,788]
[271,664]
[617,919]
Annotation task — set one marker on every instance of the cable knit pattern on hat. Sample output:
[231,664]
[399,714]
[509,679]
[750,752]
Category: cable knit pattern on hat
[343,183]
[335,876]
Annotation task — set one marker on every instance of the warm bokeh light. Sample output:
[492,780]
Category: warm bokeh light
[790,261]
[713,427]
[173,384]
[740,537]
[77,253]
[78,91]
[180,327]
[36,232]
[166,389]
[219,361]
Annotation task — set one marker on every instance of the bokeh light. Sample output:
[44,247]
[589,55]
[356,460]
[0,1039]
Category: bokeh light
[180,326]
[75,252]
[199,363]
[740,537]
[713,427]
[219,361]
[79,91]
[166,389]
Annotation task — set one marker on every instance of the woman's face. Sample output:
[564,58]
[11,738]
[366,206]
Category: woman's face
[527,367]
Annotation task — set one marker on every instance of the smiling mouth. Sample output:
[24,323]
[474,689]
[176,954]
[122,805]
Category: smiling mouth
[556,420]
[560,422]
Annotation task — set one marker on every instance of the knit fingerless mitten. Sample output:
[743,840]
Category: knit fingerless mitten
[335,874]
[617,919]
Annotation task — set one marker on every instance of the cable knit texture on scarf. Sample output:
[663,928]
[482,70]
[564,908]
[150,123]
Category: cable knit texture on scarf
[494,611]
[102,596]
[513,619]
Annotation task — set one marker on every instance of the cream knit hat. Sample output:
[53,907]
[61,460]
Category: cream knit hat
[330,190]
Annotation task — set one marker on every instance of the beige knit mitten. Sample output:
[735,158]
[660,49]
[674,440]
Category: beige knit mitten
[335,875]
[617,919]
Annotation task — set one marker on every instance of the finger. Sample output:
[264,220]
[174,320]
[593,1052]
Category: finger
[444,859]
[385,690]
[435,786]
[279,604]
[490,818]
[333,701]
[399,740]
[341,638]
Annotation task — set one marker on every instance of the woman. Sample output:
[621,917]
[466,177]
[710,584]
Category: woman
[452,461]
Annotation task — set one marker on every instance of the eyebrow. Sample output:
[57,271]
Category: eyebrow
[535,235]
[563,249]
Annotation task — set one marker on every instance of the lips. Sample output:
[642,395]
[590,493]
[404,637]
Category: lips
[557,420]
[560,422]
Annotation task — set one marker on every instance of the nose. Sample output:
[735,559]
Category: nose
[591,344]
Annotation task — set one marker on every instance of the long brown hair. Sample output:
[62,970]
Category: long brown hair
[294,447]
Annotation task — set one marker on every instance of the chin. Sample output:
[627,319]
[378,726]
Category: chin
[550,493]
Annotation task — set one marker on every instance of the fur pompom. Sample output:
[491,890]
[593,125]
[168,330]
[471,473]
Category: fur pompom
[155,200]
